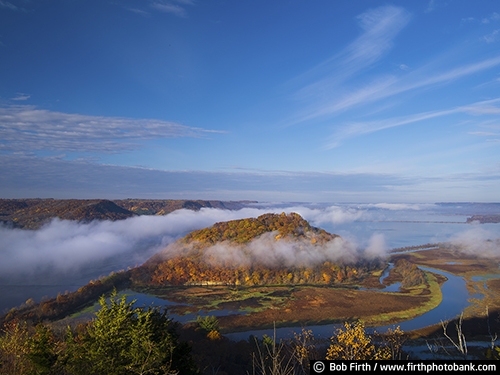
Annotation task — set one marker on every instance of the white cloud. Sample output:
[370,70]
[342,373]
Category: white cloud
[357,129]
[171,7]
[492,37]
[21,97]
[23,175]
[478,242]
[327,95]
[399,206]
[329,215]
[430,6]
[139,11]
[379,27]
[491,18]
[64,247]
[28,128]
[8,5]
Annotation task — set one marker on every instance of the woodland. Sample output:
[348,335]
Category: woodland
[34,213]
[43,338]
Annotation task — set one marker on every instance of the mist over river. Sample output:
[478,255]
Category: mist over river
[64,256]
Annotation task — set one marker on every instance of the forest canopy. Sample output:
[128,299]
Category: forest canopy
[279,249]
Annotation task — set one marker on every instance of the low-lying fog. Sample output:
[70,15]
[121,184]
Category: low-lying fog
[64,255]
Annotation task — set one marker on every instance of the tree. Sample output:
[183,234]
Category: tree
[124,340]
[303,349]
[43,350]
[394,340]
[461,343]
[270,358]
[352,343]
[14,349]
[208,323]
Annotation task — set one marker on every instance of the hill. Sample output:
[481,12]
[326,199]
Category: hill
[33,213]
[483,219]
[165,206]
[270,249]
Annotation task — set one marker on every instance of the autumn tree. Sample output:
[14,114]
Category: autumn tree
[14,349]
[352,343]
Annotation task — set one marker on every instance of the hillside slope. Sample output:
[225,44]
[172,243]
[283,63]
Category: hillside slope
[33,213]
[270,249]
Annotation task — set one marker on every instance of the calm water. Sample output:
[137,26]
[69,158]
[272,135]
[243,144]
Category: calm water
[455,297]
[400,225]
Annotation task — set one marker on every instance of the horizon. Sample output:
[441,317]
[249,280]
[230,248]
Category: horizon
[72,252]
[357,102]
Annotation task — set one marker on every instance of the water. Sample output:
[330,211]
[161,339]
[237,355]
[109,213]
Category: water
[400,226]
[455,296]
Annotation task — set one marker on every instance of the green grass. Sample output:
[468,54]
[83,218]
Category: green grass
[435,298]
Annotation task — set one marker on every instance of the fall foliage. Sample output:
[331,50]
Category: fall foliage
[191,263]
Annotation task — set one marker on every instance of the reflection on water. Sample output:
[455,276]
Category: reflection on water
[485,277]
[147,300]
[455,300]
[394,287]
[403,227]
[455,296]
[16,295]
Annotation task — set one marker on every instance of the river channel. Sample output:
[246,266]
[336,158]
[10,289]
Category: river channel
[454,301]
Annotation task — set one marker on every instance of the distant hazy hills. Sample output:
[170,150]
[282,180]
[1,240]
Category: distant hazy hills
[483,219]
[33,213]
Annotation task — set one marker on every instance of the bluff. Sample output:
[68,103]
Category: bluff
[33,213]
[270,249]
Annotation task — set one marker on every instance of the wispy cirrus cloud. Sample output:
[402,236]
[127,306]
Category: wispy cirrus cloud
[431,6]
[335,87]
[139,11]
[21,173]
[29,128]
[175,7]
[491,18]
[21,97]
[492,37]
[8,5]
[486,107]
[357,129]
[24,176]
[389,86]
[490,130]
[379,28]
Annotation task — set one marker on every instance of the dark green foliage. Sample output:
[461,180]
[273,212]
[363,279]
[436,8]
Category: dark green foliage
[43,351]
[208,323]
[126,340]
[121,340]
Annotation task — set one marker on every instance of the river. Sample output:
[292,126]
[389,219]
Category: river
[64,270]
[455,296]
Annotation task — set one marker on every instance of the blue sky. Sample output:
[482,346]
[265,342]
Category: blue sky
[338,101]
